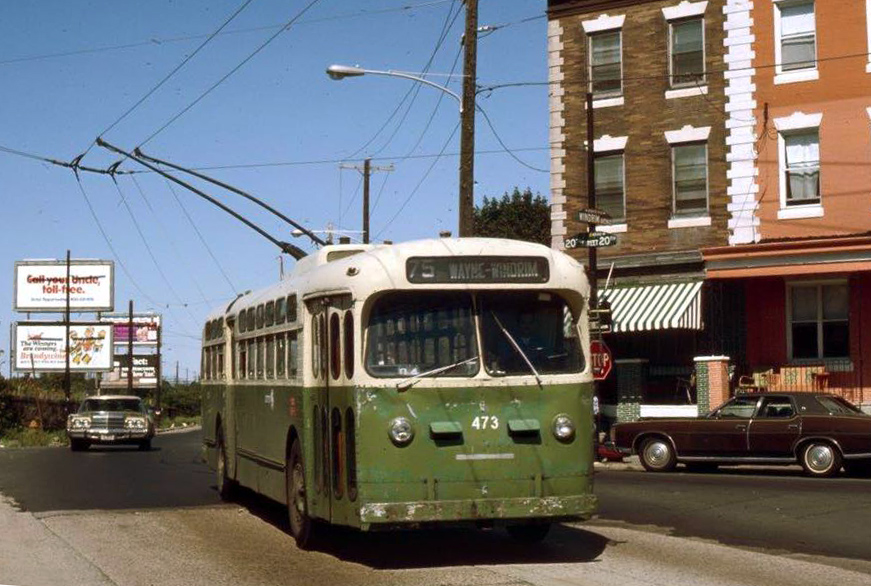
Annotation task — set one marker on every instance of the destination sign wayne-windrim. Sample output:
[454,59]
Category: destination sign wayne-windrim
[482,269]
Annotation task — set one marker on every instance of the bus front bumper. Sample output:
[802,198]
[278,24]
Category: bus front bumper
[576,507]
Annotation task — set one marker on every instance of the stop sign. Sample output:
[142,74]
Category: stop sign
[600,356]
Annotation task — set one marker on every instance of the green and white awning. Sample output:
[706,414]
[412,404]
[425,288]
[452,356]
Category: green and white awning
[656,307]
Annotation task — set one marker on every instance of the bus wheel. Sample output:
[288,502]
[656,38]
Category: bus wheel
[301,525]
[225,484]
[529,532]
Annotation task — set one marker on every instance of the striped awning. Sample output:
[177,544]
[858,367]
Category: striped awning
[656,307]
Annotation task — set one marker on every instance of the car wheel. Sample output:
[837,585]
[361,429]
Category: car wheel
[302,527]
[657,455]
[145,445]
[821,459]
[225,484]
[528,532]
[77,445]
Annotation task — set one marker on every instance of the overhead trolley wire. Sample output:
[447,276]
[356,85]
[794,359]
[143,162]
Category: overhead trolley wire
[174,71]
[199,234]
[262,46]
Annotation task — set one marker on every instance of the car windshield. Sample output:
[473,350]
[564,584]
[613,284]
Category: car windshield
[523,333]
[839,406]
[111,405]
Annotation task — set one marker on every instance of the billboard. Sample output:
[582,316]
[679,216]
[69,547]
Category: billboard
[145,328]
[41,347]
[144,371]
[41,285]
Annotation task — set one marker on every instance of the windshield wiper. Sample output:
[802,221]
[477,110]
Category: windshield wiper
[517,347]
[409,382]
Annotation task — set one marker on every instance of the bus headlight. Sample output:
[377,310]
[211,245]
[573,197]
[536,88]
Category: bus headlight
[401,431]
[563,428]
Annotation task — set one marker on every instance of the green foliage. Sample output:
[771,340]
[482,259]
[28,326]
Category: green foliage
[519,216]
[23,437]
[181,399]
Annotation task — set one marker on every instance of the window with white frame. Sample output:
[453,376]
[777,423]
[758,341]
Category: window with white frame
[801,166]
[687,48]
[819,320]
[606,65]
[795,31]
[690,175]
[610,187]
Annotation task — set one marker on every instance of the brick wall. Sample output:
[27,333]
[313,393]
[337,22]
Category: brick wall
[644,118]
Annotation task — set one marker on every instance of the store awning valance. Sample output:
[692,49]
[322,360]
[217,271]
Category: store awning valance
[656,307]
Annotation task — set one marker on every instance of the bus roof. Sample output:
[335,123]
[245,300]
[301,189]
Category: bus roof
[363,270]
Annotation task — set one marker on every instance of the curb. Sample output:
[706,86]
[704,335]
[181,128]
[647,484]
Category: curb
[171,430]
[628,463]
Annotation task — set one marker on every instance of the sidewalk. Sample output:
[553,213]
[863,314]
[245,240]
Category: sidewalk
[628,463]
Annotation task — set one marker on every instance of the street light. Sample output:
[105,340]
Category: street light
[467,135]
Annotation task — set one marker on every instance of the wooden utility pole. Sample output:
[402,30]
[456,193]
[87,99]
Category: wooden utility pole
[367,170]
[467,122]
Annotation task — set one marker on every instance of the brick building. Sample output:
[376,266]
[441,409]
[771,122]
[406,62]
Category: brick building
[800,193]
[655,69]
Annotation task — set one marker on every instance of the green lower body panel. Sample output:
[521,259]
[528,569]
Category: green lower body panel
[539,508]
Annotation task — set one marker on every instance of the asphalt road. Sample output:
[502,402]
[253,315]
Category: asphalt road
[120,517]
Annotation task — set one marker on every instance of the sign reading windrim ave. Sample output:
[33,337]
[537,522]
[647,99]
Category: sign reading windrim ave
[41,286]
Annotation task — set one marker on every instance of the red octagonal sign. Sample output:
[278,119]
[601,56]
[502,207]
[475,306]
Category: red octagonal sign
[600,356]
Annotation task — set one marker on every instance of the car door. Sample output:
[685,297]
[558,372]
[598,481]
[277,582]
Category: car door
[775,428]
[724,432]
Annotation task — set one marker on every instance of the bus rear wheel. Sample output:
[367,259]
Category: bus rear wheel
[302,528]
[225,483]
[528,532]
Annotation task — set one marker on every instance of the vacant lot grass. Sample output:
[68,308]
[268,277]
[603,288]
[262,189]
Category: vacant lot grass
[24,437]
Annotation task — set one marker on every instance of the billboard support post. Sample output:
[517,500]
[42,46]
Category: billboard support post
[67,379]
[130,348]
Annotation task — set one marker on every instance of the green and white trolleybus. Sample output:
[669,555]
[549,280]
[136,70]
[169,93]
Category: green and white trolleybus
[380,386]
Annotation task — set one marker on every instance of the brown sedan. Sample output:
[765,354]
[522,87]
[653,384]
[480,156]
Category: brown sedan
[820,432]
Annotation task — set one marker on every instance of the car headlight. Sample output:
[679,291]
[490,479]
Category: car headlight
[81,422]
[401,431]
[134,423]
[563,428]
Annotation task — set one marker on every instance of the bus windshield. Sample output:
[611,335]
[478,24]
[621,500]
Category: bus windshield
[411,333]
[528,332]
[523,333]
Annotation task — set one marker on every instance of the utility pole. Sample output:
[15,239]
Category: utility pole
[367,170]
[130,335]
[467,122]
[68,384]
[176,372]
[591,203]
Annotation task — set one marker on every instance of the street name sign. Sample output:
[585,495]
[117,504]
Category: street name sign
[591,240]
[592,216]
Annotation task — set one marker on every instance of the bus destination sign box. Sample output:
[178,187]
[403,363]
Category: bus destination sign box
[480,269]
[591,240]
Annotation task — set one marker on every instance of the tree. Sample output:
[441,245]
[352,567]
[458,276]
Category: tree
[519,216]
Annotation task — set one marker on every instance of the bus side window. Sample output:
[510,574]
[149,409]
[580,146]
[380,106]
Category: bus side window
[291,309]
[349,345]
[335,347]
[270,357]
[280,355]
[316,348]
[242,368]
[261,356]
[293,349]
[252,357]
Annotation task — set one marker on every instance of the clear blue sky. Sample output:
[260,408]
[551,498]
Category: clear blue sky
[278,127]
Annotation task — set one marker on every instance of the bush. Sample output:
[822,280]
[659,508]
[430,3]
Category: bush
[181,400]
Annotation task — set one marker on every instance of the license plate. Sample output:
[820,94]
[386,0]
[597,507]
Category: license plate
[108,438]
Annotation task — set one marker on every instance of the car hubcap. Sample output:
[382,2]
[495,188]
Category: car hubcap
[656,454]
[820,458]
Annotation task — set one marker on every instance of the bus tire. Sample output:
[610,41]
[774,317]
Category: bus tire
[302,527]
[528,532]
[226,486]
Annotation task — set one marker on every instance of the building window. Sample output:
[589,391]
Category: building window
[819,325]
[795,32]
[606,64]
[690,173]
[610,190]
[802,167]
[687,44]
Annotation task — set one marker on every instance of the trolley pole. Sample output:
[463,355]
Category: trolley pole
[467,131]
